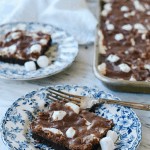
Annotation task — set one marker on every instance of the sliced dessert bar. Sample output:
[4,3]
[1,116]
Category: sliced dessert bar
[20,46]
[66,126]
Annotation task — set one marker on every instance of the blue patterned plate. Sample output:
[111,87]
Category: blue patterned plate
[62,57]
[15,125]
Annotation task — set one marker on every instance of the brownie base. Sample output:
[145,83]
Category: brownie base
[48,142]
[55,146]
[12,60]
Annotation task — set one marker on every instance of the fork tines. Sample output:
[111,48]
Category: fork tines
[63,96]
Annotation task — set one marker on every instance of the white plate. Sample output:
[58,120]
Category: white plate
[63,56]
[15,125]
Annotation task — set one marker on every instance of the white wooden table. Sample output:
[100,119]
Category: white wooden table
[80,73]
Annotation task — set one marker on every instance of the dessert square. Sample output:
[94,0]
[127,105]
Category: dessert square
[125,40]
[66,126]
[19,46]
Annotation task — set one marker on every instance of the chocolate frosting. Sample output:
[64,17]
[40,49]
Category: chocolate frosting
[97,127]
[134,48]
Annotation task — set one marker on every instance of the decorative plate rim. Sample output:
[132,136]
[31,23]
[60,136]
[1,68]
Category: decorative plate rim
[2,76]
[61,85]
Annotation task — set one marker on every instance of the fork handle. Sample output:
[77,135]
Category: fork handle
[128,104]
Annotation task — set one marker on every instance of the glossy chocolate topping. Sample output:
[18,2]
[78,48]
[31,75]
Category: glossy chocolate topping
[88,128]
[24,45]
[125,25]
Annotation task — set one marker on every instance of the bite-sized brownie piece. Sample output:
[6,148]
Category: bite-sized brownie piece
[66,126]
[125,40]
[20,46]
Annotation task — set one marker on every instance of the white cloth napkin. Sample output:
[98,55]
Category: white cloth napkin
[73,16]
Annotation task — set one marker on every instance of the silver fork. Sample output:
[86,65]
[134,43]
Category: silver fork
[87,102]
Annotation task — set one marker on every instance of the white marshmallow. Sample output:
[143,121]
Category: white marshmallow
[113,135]
[89,126]
[43,41]
[113,58]
[107,22]
[126,15]
[140,28]
[102,68]
[148,13]
[110,26]
[87,122]
[73,106]
[124,8]
[70,132]
[132,13]
[103,48]
[132,79]
[5,49]
[53,130]
[107,143]
[43,61]
[104,13]
[138,6]
[12,49]
[124,68]
[132,42]
[143,36]
[108,6]
[35,48]
[147,66]
[147,6]
[119,37]
[34,35]
[107,9]
[30,66]
[127,27]
[15,35]
[101,131]
[126,52]
[58,115]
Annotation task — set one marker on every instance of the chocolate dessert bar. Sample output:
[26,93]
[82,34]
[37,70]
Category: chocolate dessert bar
[20,46]
[125,40]
[66,126]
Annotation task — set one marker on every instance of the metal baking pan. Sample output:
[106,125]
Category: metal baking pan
[114,84]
